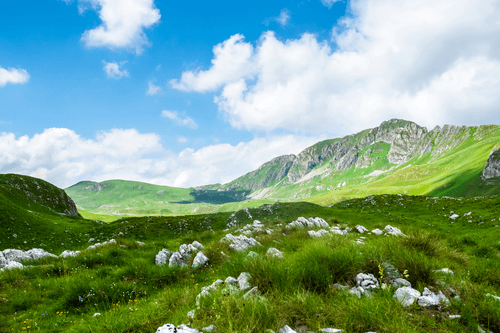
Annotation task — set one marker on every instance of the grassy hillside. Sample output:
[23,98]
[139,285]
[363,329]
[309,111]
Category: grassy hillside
[132,294]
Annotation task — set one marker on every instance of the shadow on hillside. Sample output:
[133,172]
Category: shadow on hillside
[468,184]
[216,197]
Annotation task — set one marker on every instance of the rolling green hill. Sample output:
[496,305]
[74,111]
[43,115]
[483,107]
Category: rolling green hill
[398,156]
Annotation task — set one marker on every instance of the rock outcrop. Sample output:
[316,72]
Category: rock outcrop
[492,167]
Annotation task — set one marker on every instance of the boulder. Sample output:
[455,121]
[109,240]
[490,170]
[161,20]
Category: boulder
[199,260]
[163,257]
[244,281]
[360,229]
[13,264]
[406,295]
[366,281]
[177,260]
[3,261]
[36,254]
[286,329]
[186,249]
[399,282]
[14,255]
[69,253]
[302,222]
[393,231]
[319,233]
[377,232]
[231,281]
[242,243]
[454,216]
[492,166]
[197,245]
[274,253]
[429,298]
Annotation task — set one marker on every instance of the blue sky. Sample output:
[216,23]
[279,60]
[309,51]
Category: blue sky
[192,93]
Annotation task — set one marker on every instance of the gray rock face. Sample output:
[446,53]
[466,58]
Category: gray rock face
[406,295]
[14,255]
[177,260]
[36,254]
[199,260]
[19,255]
[492,167]
[319,233]
[428,298]
[3,261]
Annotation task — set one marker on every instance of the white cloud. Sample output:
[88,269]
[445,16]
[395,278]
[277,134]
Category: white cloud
[153,90]
[123,23]
[13,76]
[112,69]
[231,59]
[182,139]
[329,3]
[283,17]
[433,62]
[189,122]
[62,157]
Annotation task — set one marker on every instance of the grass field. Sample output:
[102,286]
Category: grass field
[122,283]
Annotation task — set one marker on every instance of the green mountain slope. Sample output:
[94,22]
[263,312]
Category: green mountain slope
[36,214]
[398,156]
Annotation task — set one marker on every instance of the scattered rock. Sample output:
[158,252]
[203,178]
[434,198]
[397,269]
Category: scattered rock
[454,216]
[209,329]
[377,232]
[406,295]
[286,329]
[330,330]
[360,229]
[444,270]
[69,253]
[231,281]
[399,282]
[393,231]
[177,260]
[274,253]
[244,281]
[319,233]
[366,281]
[199,260]
[302,222]
[240,243]
[163,257]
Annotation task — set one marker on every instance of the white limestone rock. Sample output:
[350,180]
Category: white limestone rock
[244,281]
[3,261]
[69,253]
[163,257]
[242,243]
[177,260]
[12,264]
[400,282]
[444,271]
[429,298]
[393,231]
[197,245]
[366,281]
[14,255]
[209,329]
[360,229]
[231,281]
[199,260]
[286,329]
[319,233]
[274,253]
[377,232]
[330,330]
[406,295]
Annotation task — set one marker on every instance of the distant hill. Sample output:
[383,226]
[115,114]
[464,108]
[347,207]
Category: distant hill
[35,213]
[398,156]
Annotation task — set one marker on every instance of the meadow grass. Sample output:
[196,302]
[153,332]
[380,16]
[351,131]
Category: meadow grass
[132,294]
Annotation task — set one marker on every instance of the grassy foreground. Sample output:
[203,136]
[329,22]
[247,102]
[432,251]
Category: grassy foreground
[122,283]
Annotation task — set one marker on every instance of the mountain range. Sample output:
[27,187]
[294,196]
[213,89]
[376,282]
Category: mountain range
[398,156]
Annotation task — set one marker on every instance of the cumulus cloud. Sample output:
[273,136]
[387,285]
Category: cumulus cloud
[283,17]
[123,23]
[433,62]
[153,90]
[112,69]
[13,76]
[63,157]
[182,139]
[329,3]
[189,122]
[231,60]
